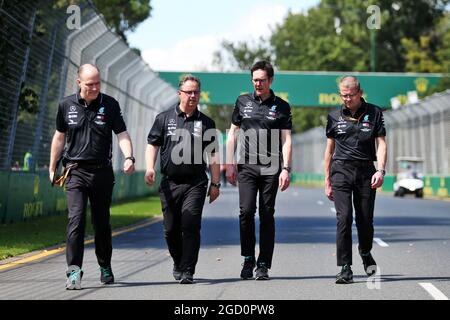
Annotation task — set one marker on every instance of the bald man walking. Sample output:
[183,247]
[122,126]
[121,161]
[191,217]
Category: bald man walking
[83,139]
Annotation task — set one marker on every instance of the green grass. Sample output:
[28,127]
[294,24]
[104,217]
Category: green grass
[23,237]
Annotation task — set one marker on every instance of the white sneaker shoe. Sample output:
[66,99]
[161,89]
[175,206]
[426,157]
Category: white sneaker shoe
[74,275]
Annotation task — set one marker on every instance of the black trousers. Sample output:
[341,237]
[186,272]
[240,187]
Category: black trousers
[350,184]
[251,181]
[182,205]
[97,186]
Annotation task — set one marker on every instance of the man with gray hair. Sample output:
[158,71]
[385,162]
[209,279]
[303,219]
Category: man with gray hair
[355,139]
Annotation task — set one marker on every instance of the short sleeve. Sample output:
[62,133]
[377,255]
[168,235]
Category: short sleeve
[118,124]
[156,135]
[61,124]
[286,119]
[380,130]
[236,117]
[329,130]
[213,144]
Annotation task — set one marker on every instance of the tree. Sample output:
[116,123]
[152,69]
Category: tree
[220,114]
[241,55]
[334,35]
[120,15]
[433,54]
[124,15]
[304,119]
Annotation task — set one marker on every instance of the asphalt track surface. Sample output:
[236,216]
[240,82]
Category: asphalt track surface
[412,249]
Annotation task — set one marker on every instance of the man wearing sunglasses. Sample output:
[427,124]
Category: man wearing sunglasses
[187,141]
[355,139]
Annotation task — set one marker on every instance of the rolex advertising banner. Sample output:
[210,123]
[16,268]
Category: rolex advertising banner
[310,89]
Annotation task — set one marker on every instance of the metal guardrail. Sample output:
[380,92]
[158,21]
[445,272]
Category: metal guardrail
[40,57]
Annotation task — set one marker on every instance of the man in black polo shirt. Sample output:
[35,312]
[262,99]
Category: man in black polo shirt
[187,140]
[84,125]
[264,123]
[352,131]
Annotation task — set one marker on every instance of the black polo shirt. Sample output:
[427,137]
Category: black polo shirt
[355,139]
[183,141]
[257,119]
[89,128]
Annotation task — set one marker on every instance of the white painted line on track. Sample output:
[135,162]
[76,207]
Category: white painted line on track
[433,291]
[380,242]
[320,203]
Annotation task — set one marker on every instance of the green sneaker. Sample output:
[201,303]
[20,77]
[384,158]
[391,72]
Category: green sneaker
[247,268]
[106,275]
[74,275]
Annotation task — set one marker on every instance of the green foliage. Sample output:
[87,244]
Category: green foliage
[221,116]
[124,15]
[23,237]
[431,52]
[304,119]
[120,15]
[242,55]
[314,41]
[334,36]
[28,105]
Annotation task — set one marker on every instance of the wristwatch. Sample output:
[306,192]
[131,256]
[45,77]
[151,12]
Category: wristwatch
[131,158]
[288,169]
[215,185]
[382,171]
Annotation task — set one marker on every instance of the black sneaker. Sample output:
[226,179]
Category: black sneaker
[106,275]
[262,272]
[177,273]
[187,278]
[370,266]
[345,276]
[247,268]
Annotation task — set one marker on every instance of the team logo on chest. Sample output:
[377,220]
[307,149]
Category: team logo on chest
[171,127]
[248,109]
[72,115]
[341,126]
[197,129]
[366,124]
[100,118]
[272,113]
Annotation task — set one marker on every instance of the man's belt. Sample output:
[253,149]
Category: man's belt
[90,165]
[356,163]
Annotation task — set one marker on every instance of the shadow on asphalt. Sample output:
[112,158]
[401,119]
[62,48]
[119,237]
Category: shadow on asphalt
[357,279]
[220,231]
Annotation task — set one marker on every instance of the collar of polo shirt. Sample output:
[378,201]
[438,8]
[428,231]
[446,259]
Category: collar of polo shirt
[179,112]
[271,98]
[98,100]
[348,113]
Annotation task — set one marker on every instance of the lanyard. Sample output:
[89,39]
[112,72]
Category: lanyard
[349,118]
